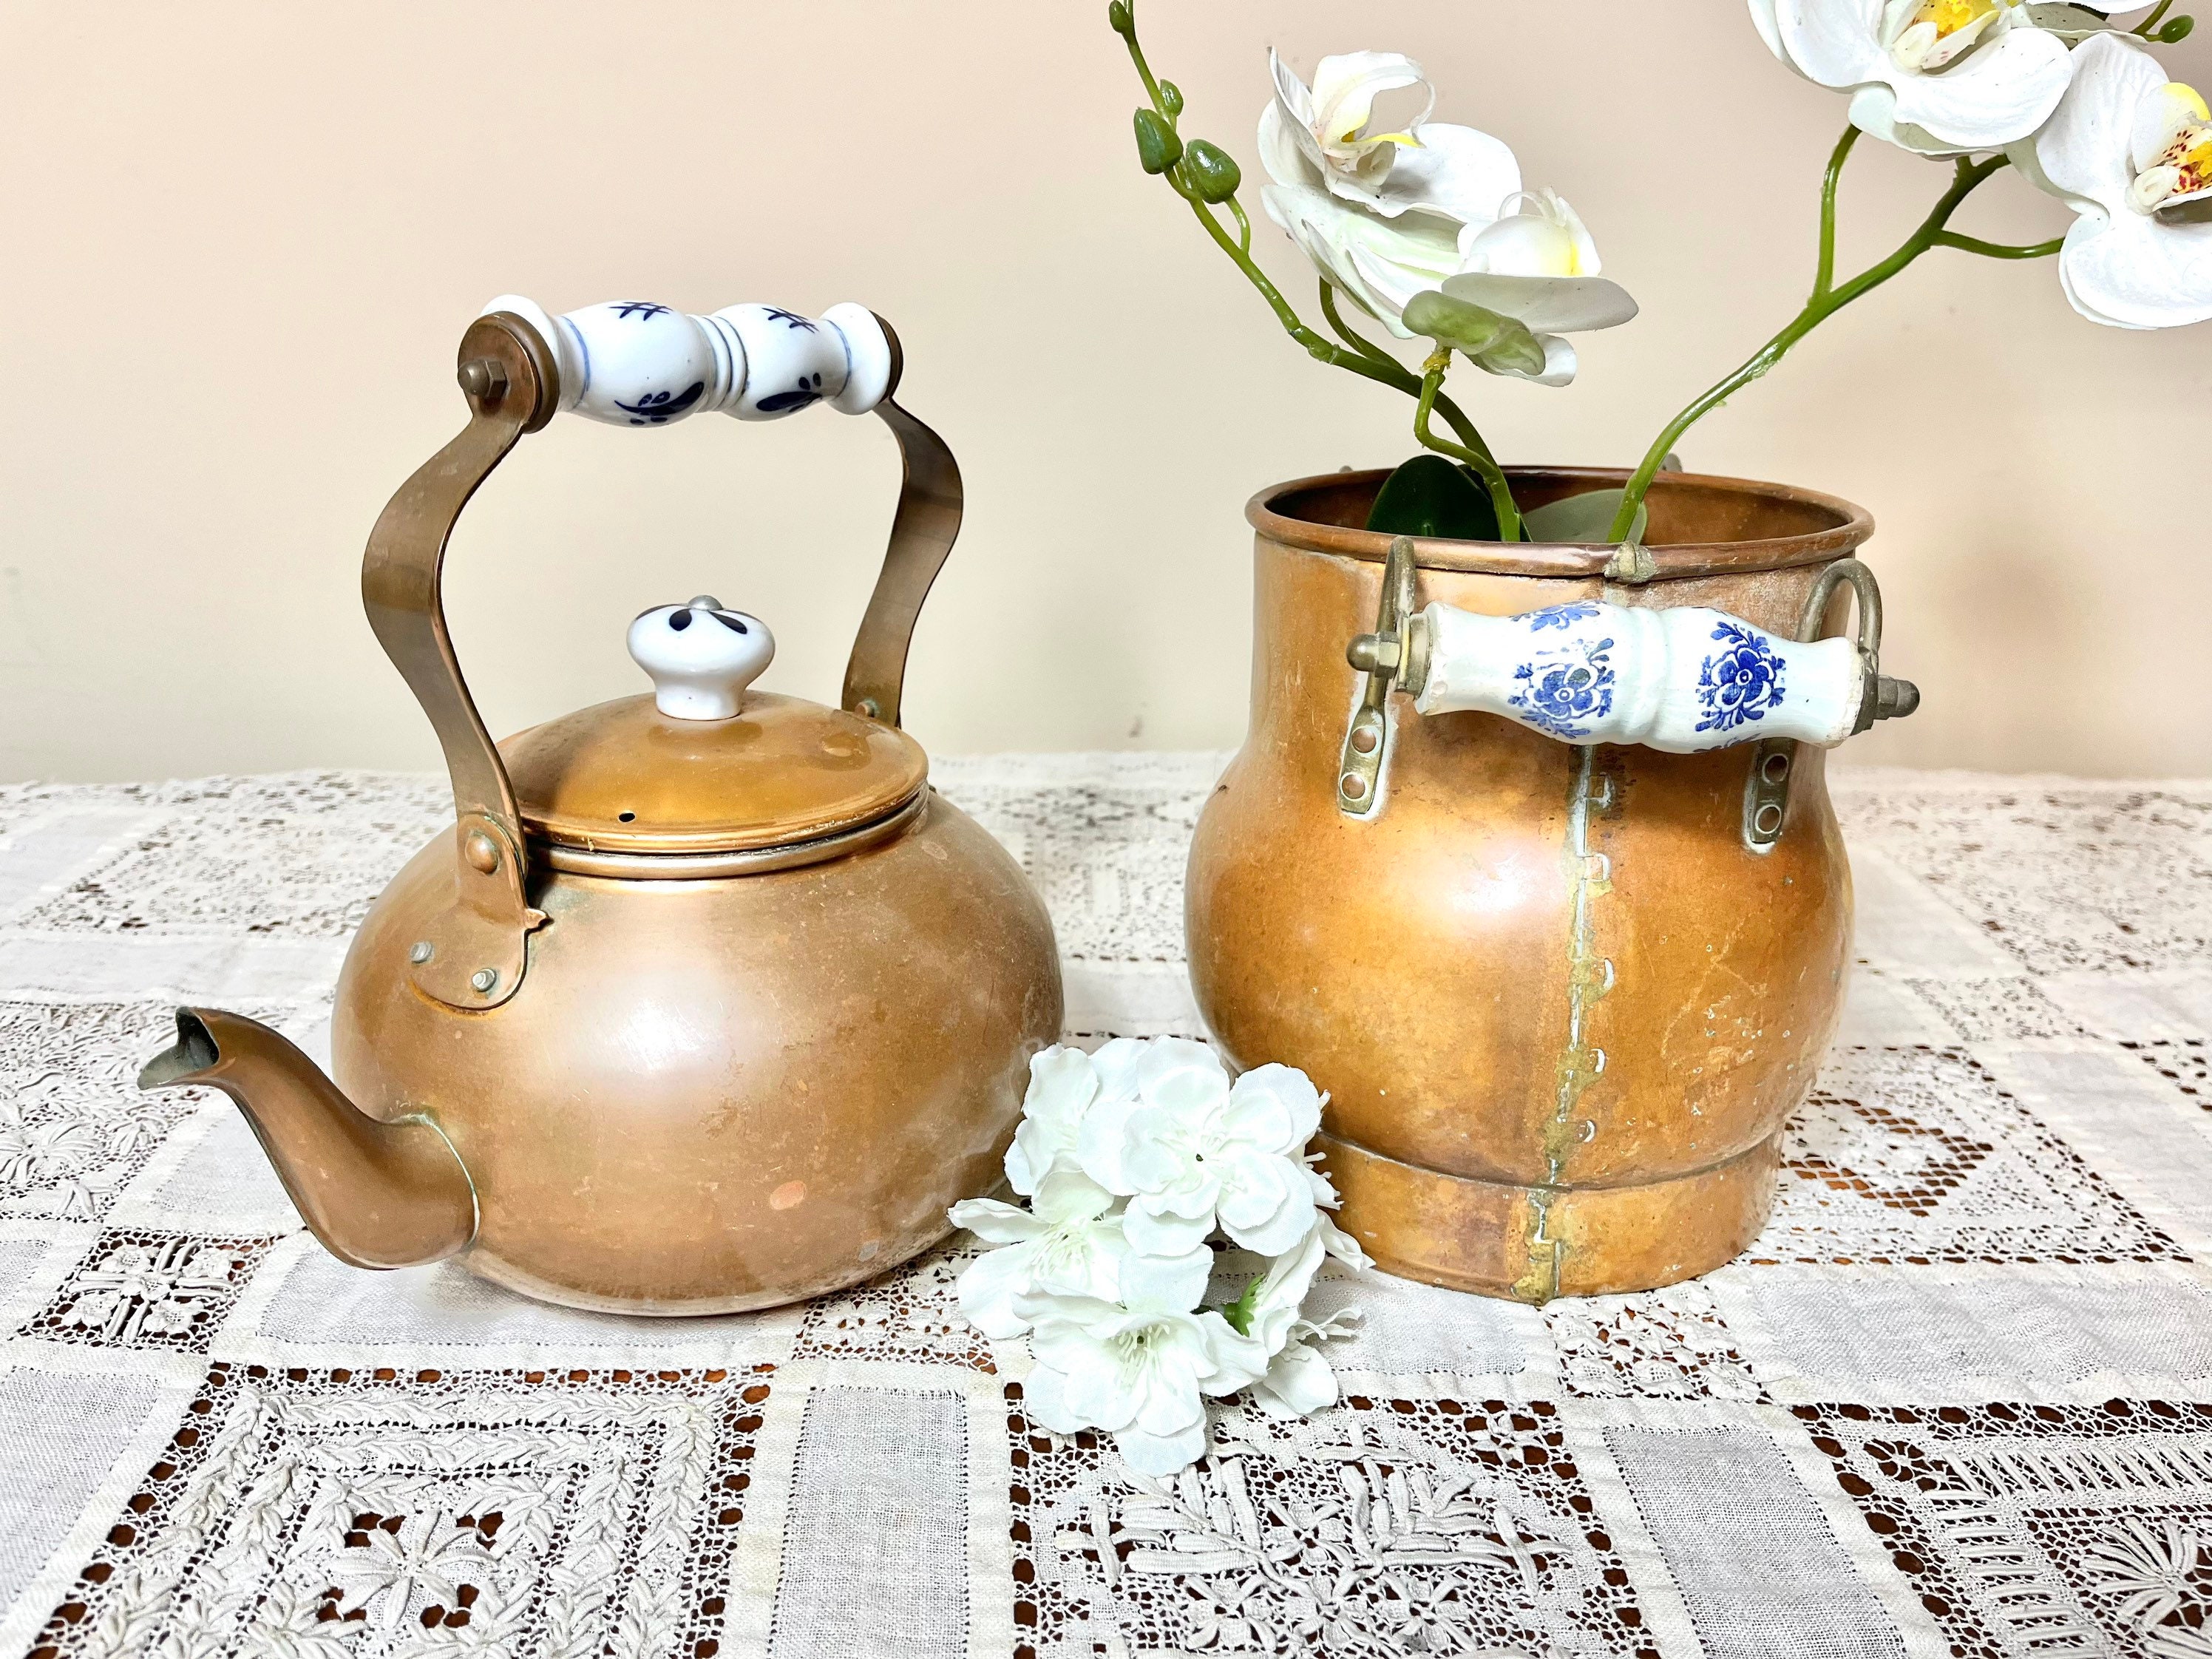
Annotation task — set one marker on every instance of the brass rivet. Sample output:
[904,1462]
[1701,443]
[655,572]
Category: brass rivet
[1365,739]
[1769,819]
[480,851]
[483,378]
[1354,786]
[422,952]
[484,978]
[1775,768]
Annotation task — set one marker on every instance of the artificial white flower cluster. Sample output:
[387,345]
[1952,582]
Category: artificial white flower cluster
[1134,1160]
[2081,105]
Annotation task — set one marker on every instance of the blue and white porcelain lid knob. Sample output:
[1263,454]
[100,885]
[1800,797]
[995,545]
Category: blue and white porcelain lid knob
[701,657]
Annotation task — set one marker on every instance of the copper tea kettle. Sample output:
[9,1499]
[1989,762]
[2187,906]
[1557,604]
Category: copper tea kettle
[706,1001]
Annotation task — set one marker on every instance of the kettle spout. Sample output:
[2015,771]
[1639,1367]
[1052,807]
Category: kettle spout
[376,1194]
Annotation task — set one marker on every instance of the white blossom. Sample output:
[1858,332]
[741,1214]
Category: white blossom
[1068,1242]
[1190,1151]
[1943,77]
[1385,216]
[2130,152]
[1138,1369]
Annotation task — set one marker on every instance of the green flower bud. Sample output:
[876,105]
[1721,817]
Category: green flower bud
[1171,98]
[2179,29]
[1211,172]
[1157,147]
[1118,18]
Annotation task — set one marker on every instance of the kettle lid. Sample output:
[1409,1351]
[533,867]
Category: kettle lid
[704,764]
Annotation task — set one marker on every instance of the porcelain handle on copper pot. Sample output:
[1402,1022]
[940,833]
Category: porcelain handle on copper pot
[1681,679]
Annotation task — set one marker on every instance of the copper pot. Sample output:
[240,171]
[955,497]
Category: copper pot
[1561,998]
[706,1001]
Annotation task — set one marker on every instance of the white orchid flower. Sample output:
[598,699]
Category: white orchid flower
[1943,77]
[1380,215]
[1189,1152]
[1538,264]
[2132,153]
[1140,1370]
[1432,166]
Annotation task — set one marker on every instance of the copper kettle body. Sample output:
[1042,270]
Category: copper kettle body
[690,1011]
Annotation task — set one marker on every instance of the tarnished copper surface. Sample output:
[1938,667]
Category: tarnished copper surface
[1499,1239]
[1538,972]
[718,1095]
[623,777]
[377,1193]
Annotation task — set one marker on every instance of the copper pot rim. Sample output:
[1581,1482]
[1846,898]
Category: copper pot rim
[1671,560]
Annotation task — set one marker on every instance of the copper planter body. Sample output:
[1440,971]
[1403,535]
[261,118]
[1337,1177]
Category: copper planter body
[1560,1008]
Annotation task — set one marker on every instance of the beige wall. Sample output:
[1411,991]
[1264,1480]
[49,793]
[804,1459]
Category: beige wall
[242,241]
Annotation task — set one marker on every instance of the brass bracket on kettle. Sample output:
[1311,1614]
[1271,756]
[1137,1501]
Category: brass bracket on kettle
[1766,790]
[1395,654]
[474,955]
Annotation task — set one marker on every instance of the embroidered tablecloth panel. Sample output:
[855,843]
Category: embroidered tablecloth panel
[1957,1400]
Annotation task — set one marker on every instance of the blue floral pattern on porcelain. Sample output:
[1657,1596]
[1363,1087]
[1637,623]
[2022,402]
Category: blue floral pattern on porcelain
[1562,616]
[1564,696]
[1740,683]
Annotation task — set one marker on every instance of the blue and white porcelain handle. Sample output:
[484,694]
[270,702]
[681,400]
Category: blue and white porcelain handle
[1681,680]
[637,362]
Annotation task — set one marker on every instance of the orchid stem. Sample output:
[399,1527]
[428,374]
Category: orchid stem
[1358,342]
[1824,279]
[1827,302]
[2000,250]
[1363,357]
[1145,70]
[1492,476]
[2151,22]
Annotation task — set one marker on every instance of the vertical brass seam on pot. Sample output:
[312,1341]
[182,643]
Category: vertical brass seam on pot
[1589,979]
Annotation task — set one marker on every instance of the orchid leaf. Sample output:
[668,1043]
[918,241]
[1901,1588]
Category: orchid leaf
[1431,496]
[1587,518]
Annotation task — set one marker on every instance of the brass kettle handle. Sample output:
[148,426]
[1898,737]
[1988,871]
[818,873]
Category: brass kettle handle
[517,366]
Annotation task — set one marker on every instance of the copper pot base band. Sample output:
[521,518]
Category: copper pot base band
[1532,1243]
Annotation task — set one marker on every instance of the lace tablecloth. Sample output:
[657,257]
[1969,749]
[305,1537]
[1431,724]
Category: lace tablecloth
[1957,1399]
